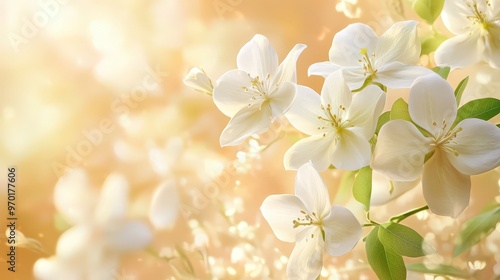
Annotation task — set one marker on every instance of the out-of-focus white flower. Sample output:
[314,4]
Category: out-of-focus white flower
[401,148]
[349,8]
[389,59]
[477,26]
[101,231]
[340,125]
[308,219]
[257,92]
[198,80]
[165,205]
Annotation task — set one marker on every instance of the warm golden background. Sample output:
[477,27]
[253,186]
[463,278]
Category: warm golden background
[85,62]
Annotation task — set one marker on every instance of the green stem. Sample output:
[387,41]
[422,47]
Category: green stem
[405,215]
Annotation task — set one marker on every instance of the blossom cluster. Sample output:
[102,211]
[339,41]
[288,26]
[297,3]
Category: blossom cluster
[429,139]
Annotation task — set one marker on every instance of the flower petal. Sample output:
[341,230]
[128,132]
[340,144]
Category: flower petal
[280,210]
[400,151]
[73,243]
[492,49]
[353,151]
[311,190]
[460,51]
[287,69]
[399,43]
[113,200]
[250,120]
[230,95]
[164,207]
[477,145]
[348,42]
[342,231]
[336,93]
[74,198]
[432,104]
[446,190]
[317,148]
[305,109]
[257,57]
[306,260]
[397,75]
[365,109]
[385,190]
[455,16]
[54,269]
[324,69]
[198,80]
[282,99]
[129,236]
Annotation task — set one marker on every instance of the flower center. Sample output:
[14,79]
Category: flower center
[333,120]
[306,219]
[445,137]
[367,63]
[259,89]
[478,16]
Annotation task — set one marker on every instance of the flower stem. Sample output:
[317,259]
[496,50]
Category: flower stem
[405,215]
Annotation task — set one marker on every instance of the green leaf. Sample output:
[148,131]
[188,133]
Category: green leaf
[428,10]
[460,89]
[362,189]
[403,240]
[476,229]
[438,269]
[431,43]
[399,110]
[383,119]
[442,71]
[386,264]
[498,125]
[483,108]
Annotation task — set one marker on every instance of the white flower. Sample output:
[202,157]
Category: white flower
[308,219]
[477,26]
[165,205]
[471,147]
[388,59]
[340,125]
[198,80]
[101,232]
[257,92]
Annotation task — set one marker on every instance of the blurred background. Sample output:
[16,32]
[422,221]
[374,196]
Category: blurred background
[98,86]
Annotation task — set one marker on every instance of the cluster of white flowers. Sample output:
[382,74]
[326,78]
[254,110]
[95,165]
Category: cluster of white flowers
[434,145]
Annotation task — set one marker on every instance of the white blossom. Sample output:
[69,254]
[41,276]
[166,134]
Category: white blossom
[456,152]
[308,219]
[477,26]
[257,92]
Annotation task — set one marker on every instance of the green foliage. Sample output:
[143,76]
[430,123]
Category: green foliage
[386,264]
[431,43]
[442,71]
[403,240]
[476,229]
[428,10]
[362,189]
[383,119]
[438,269]
[399,110]
[483,108]
[460,89]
